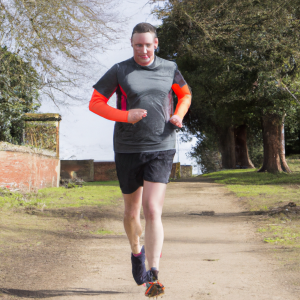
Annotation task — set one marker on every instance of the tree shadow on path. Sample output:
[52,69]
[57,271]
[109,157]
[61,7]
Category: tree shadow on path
[39,294]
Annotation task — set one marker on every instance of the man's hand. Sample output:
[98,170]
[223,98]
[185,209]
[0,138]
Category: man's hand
[136,115]
[177,121]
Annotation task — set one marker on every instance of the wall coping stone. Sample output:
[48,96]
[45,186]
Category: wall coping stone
[42,117]
[4,146]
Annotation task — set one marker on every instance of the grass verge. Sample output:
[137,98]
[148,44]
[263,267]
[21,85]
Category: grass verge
[90,194]
[29,218]
[262,192]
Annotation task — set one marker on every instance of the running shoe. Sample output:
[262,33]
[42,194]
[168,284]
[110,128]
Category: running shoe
[139,272]
[154,289]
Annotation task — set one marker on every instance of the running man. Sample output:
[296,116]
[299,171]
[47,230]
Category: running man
[144,142]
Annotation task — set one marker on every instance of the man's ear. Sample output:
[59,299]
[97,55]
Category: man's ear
[155,43]
[131,42]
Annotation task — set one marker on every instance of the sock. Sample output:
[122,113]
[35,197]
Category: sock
[137,255]
[154,272]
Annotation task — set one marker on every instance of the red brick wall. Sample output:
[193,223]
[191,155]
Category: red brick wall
[105,171]
[28,171]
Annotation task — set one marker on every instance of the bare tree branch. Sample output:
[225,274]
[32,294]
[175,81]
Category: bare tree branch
[59,38]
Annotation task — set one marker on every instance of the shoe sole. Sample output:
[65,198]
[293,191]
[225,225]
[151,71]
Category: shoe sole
[161,294]
[161,291]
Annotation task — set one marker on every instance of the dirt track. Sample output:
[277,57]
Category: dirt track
[204,257]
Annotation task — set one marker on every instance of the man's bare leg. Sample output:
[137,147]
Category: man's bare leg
[153,199]
[132,222]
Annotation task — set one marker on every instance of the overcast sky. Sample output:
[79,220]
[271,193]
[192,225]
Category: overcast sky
[83,134]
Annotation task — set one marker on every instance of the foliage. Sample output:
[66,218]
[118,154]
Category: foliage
[255,146]
[206,154]
[41,134]
[239,57]
[292,133]
[18,94]
[58,37]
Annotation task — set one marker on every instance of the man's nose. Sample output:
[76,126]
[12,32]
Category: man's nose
[145,49]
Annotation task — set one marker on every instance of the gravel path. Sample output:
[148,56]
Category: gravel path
[211,252]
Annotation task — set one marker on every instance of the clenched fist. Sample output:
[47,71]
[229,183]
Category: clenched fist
[177,121]
[136,115]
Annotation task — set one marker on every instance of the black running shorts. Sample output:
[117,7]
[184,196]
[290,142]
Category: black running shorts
[134,168]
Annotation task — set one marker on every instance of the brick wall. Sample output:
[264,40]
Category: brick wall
[105,171]
[28,171]
[88,170]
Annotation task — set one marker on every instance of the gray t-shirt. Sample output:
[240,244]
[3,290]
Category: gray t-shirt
[146,87]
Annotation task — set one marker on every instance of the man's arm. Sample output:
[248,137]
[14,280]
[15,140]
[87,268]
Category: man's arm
[184,102]
[99,106]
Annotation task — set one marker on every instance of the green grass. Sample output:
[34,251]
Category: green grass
[103,183]
[102,232]
[90,194]
[252,177]
[284,232]
[263,191]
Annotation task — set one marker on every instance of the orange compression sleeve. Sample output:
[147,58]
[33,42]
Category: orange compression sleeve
[99,106]
[184,99]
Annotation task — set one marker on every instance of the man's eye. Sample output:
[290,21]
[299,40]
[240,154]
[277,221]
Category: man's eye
[148,45]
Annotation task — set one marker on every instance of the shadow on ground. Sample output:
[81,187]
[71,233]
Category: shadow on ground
[212,214]
[54,293]
[92,213]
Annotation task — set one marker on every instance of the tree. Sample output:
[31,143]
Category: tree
[217,86]
[258,43]
[206,154]
[292,133]
[241,149]
[19,84]
[59,38]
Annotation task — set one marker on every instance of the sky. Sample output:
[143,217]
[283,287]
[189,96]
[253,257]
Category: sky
[85,135]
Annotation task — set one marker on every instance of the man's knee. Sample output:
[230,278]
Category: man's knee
[152,212]
[132,214]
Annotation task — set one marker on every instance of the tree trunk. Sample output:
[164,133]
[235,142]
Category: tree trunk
[227,147]
[241,149]
[284,164]
[273,148]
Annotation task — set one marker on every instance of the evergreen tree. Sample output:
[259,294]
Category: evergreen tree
[18,94]
[240,58]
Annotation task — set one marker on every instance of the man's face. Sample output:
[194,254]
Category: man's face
[143,45]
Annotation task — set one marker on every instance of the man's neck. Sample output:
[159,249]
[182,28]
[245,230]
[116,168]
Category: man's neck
[149,64]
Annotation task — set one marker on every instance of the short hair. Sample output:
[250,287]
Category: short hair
[143,28]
